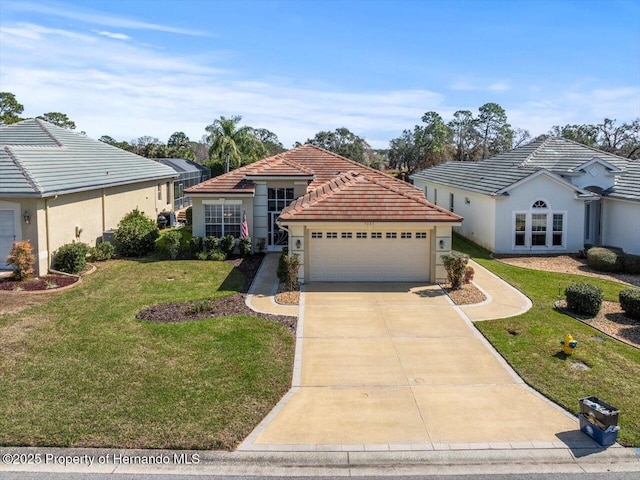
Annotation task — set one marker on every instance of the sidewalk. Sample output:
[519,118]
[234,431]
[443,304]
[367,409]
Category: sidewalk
[261,295]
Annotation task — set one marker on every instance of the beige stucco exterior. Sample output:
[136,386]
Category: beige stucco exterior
[83,216]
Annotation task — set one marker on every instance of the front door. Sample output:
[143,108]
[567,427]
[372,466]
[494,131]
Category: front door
[593,222]
[278,199]
[277,236]
[7,235]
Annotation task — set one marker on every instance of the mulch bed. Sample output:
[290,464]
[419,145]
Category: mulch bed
[285,296]
[45,282]
[222,307]
[610,320]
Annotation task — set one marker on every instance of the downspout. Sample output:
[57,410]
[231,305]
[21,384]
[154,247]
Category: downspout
[104,221]
[47,233]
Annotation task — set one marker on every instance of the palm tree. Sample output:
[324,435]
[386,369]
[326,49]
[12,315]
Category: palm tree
[230,143]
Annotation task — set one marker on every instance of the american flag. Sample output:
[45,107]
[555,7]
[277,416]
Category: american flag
[245,227]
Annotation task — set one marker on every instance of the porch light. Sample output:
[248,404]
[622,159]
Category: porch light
[298,244]
[441,243]
[27,217]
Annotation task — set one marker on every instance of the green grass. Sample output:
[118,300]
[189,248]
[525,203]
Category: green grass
[80,370]
[534,351]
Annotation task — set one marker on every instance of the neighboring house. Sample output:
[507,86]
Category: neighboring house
[58,187]
[190,174]
[347,222]
[549,196]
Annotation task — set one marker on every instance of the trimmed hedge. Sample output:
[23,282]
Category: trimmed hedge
[584,298]
[631,263]
[101,252]
[71,258]
[630,302]
[606,259]
[136,234]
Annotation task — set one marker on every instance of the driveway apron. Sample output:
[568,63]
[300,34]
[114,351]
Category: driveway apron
[393,366]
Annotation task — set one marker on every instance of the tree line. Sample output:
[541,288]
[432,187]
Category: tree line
[226,144]
[472,138]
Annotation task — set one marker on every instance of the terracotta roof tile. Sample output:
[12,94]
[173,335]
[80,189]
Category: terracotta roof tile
[340,189]
[354,196]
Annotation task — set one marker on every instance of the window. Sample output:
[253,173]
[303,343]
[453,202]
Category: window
[279,198]
[467,201]
[405,235]
[316,234]
[539,204]
[392,235]
[361,234]
[421,234]
[558,226]
[376,235]
[435,196]
[346,235]
[221,220]
[168,191]
[426,191]
[159,192]
[538,229]
[332,234]
[451,203]
[521,229]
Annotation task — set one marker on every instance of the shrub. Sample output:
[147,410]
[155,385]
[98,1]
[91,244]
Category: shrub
[101,252]
[169,243]
[211,244]
[188,216]
[218,256]
[630,302]
[605,259]
[469,272]
[136,234]
[196,245]
[21,256]
[262,244]
[631,263]
[245,246]
[202,256]
[71,258]
[455,264]
[228,244]
[584,298]
[287,270]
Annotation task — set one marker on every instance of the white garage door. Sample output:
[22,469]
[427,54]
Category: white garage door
[373,256]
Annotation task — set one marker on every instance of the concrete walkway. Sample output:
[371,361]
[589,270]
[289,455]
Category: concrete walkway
[261,295]
[387,367]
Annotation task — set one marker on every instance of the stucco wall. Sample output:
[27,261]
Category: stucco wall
[91,212]
[621,224]
[559,199]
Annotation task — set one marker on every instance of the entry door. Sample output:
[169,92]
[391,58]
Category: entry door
[277,236]
[7,235]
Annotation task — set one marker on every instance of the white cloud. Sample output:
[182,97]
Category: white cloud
[96,18]
[465,85]
[116,36]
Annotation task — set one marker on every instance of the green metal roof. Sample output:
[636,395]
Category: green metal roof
[40,159]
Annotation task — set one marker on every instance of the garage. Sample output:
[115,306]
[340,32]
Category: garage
[390,255]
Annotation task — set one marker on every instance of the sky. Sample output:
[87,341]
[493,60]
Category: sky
[131,68]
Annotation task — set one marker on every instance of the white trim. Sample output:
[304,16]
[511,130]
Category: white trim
[612,168]
[549,246]
[552,176]
[222,201]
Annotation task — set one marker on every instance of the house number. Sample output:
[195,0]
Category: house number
[369,224]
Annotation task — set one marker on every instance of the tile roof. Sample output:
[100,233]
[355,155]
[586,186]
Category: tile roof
[356,196]
[558,155]
[39,159]
[304,160]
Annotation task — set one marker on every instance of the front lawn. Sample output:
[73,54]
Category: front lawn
[80,370]
[530,343]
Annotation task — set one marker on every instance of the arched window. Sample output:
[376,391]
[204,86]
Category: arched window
[539,204]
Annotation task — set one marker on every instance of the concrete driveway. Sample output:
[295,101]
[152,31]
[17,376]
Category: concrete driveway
[397,366]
